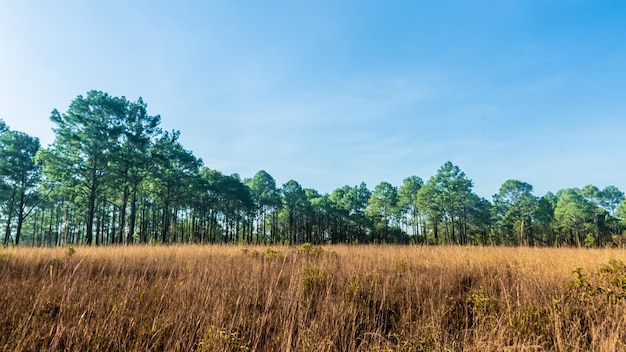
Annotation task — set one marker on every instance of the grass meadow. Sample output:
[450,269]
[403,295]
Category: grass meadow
[307,298]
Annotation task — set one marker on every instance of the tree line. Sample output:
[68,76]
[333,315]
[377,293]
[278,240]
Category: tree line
[114,176]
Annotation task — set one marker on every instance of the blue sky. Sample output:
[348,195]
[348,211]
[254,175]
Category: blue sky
[333,93]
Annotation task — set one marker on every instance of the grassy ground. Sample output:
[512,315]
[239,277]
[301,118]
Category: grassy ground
[345,298]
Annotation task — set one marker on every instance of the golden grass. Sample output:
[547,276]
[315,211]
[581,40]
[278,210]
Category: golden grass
[340,298]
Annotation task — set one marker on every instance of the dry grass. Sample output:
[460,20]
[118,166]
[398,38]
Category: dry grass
[357,298]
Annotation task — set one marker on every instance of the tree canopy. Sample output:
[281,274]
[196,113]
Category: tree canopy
[113,176]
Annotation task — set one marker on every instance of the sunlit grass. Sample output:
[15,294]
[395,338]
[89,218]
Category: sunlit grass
[339,298]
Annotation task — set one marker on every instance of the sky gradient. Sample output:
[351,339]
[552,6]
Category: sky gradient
[333,93]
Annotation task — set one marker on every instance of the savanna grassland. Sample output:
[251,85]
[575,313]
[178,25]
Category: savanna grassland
[339,298]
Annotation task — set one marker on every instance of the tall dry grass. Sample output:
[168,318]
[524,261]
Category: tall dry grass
[350,298]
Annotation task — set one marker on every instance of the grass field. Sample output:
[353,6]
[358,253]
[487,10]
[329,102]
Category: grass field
[340,298]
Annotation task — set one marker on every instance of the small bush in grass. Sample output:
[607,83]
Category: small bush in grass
[252,253]
[359,289]
[401,266]
[222,340]
[70,251]
[309,250]
[533,320]
[615,273]
[313,279]
[271,254]
[609,284]
[586,310]
[481,305]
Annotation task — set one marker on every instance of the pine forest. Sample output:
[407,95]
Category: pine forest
[114,176]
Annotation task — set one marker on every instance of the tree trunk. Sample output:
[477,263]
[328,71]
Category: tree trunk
[7,232]
[133,215]
[102,222]
[58,229]
[452,234]
[113,233]
[174,226]
[92,203]
[20,219]
[123,217]
[164,222]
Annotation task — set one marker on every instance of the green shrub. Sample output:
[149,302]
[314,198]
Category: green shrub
[309,250]
[313,279]
[271,254]
[70,251]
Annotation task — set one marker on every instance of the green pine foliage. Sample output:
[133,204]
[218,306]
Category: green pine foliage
[113,176]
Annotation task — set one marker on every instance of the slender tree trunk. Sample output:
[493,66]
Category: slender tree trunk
[174,226]
[273,227]
[386,233]
[7,231]
[452,234]
[203,225]
[436,231]
[123,217]
[164,222]
[133,214]
[113,232]
[98,225]
[143,236]
[291,228]
[102,221]
[58,229]
[41,229]
[69,231]
[93,191]
[463,226]
[261,224]
[596,222]
[210,233]
[20,218]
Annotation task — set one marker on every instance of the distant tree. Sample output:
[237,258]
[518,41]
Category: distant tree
[348,212]
[174,172]
[408,203]
[446,197]
[80,156]
[593,195]
[235,203]
[383,206]
[19,177]
[318,226]
[358,201]
[266,199]
[479,219]
[544,218]
[514,205]
[572,214]
[620,213]
[430,201]
[295,204]
[339,212]
[211,200]
[131,161]
[610,199]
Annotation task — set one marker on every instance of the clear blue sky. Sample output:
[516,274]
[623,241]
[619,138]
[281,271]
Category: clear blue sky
[333,93]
